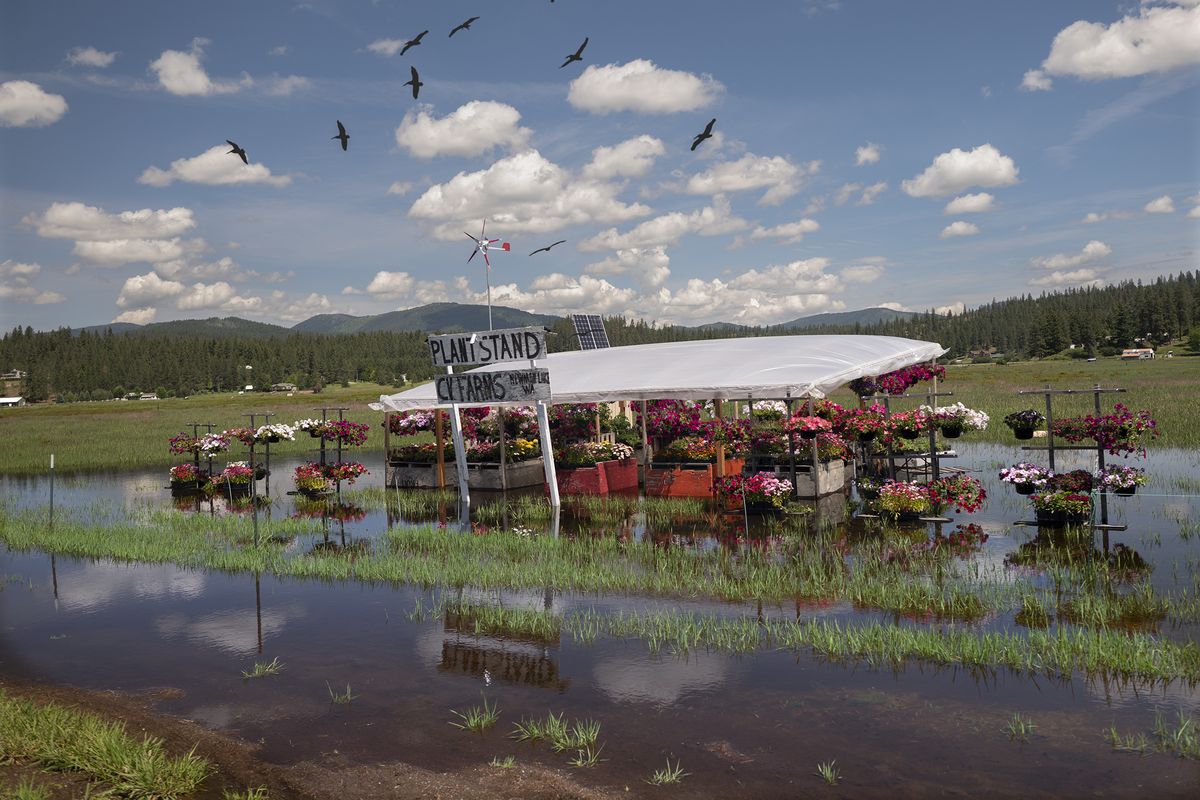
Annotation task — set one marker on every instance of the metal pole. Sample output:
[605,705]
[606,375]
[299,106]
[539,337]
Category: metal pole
[1100,466]
[1050,427]
[548,452]
[52,492]
[503,456]
[792,454]
[460,451]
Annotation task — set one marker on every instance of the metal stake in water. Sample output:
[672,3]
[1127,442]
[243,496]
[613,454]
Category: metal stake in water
[52,491]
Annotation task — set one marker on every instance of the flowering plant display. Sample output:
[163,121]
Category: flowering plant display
[410,423]
[312,427]
[1120,479]
[688,448]
[733,433]
[1026,474]
[348,433]
[961,491]
[1065,502]
[236,473]
[212,443]
[897,382]
[348,471]
[868,486]
[1026,420]
[588,454]
[1122,431]
[310,477]
[900,497]
[243,435]
[827,409]
[768,442]
[184,473]
[574,421]
[1073,429]
[514,450]
[274,433]
[183,444]
[519,422]
[426,452]
[906,424]
[762,488]
[831,447]
[766,409]
[865,423]
[809,427]
[957,418]
[671,419]
[1077,480]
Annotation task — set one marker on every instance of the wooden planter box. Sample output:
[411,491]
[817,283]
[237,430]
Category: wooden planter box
[485,475]
[830,477]
[686,480]
[604,478]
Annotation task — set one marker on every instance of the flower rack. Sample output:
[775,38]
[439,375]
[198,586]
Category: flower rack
[686,479]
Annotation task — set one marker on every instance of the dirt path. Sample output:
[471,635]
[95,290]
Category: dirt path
[238,767]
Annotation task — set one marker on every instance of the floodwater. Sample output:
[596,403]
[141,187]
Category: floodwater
[753,725]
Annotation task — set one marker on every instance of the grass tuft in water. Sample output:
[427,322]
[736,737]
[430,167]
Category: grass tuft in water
[28,790]
[341,698]
[257,793]
[1019,728]
[263,669]
[586,757]
[508,762]
[668,775]
[829,773]
[477,719]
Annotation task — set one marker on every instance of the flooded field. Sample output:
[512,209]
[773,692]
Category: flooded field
[732,671]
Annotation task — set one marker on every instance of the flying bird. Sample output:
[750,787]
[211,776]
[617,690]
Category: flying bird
[463,27]
[345,137]
[707,134]
[577,55]
[546,249]
[413,42]
[237,151]
[415,82]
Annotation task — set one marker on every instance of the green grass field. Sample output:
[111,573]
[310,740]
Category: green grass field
[116,434]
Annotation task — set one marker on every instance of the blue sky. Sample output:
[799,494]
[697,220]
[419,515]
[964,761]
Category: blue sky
[918,155]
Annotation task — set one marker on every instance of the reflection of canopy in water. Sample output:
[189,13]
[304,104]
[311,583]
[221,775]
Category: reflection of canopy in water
[761,367]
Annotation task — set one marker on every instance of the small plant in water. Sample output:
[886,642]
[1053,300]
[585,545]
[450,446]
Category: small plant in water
[829,773]
[586,757]
[258,793]
[476,719]
[508,762]
[662,777]
[341,698]
[1019,728]
[262,670]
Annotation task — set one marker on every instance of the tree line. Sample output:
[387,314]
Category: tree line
[69,366]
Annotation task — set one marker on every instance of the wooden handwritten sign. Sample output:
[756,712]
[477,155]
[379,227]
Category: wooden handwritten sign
[487,347]
[486,388]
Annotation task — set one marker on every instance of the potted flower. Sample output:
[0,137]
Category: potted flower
[237,477]
[954,420]
[1025,477]
[348,471]
[310,479]
[1077,480]
[766,410]
[1023,423]
[313,427]
[907,424]
[961,491]
[809,427]
[868,486]
[270,434]
[1121,480]
[901,500]
[762,491]
[1072,429]
[1062,508]
[410,423]
[687,449]
[185,478]
[865,424]
[345,432]
[1121,432]
[183,444]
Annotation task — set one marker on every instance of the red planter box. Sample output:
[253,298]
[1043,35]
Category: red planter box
[605,477]
[664,481]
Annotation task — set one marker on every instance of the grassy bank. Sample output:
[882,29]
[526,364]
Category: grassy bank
[129,434]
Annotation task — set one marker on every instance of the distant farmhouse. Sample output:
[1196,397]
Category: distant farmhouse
[11,402]
[1135,353]
[13,382]
[283,387]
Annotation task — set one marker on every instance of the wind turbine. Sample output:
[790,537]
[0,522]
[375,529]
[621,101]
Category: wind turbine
[482,244]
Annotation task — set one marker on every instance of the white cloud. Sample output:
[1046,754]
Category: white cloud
[649,265]
[957,170]
[643,87]
[779,176]
[985,91]
[401,187]
[1160,205]
[844,194]
[1093,217]
[470,130]
[808,275]
[386,47]
[27,105]
[893,306]
[557,294]
[867,154]
[180,73]
[1092,251]
[282,87]
[90,57]
[278,50]
[668,229]
[77,221]
[15,277]
[523,193]
[1080,277]
[952,308]
[18,271]
[115,252]
[1159,38]
[959,228]
[390,285]
[216,166]
[137,316]
[1194,213]
[871,192]
[219,295]
[632,158]
[147,290]
[1036,81]
[790,232]
[969,204]
[297,310]
[863,273]
[224,267]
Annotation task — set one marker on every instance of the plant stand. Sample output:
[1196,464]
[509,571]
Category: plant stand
[686,479]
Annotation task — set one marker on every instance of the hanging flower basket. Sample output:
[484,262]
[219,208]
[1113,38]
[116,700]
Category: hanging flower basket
[952,429]
[1061,518]
[1025,488]
[1023,433]
[1127,492]
[866,436]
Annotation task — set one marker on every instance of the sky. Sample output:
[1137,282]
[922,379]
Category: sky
[917,155]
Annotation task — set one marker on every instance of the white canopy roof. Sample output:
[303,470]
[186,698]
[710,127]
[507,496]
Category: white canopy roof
[760,367]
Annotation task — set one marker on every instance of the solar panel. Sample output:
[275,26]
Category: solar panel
[590,331]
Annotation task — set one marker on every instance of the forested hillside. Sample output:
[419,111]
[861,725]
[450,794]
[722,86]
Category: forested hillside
[100,365]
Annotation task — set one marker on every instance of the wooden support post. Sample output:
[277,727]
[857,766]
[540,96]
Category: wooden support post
[503,447]
[439,435]
[720,445]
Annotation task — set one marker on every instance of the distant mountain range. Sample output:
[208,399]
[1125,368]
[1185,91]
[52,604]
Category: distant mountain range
[434,318]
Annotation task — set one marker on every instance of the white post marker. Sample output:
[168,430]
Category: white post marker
[460,452]
[548,453]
